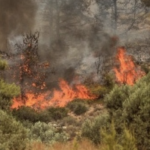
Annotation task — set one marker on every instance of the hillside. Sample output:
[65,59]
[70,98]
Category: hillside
[74,75]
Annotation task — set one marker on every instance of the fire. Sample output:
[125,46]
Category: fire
[57,98]
[127,73]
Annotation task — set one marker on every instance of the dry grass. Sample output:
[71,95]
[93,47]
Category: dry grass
[73,145]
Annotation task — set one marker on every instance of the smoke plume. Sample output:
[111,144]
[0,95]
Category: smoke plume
[74,36]
[16,17]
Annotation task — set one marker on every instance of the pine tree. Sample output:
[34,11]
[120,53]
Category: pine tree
[12,134]
[8,91]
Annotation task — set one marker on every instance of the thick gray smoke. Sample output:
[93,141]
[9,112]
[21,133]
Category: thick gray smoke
[16,17]
[76,39]
[71,39]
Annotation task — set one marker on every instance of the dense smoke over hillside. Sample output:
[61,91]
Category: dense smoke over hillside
[76,37]
[16,17]
[71,39]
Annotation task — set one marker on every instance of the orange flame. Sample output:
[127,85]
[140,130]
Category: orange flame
[59,98]
[127,73]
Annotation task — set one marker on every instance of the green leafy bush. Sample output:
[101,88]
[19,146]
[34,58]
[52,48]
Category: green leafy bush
[27,113]
[131,105]
[12,134]
[98,90]
[57,112]
[91,128]
[111,140]
[78,106]
[7,92]
[46,133]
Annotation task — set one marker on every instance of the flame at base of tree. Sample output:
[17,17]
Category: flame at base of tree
[57,98]
[128,72]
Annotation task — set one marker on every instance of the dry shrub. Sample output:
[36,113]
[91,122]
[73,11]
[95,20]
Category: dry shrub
[36,145]
[73,145]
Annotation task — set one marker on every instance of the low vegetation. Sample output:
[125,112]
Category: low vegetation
[122,125]
[78,107]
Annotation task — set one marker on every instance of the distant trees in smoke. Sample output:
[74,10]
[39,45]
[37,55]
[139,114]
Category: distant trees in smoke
[72,23]
[70,19]
[123,15]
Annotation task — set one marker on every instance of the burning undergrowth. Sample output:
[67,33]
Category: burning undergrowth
[32,78]
[72,52]
[31,75]
[55,76]
[127,72]
[56,98]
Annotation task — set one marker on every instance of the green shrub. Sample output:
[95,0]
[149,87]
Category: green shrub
[13,136]
[25,113]
[108,81]
[57,113]
[46,133]
[145,68]
[78,106]
[98,90]
[111,140]
[131,105]
[28,113]
[114,100]
[91,128]
[7,92]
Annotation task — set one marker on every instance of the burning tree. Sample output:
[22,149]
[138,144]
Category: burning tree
[32,81]
[31,72]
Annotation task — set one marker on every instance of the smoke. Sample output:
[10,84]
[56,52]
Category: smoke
[76,40]
[72,38]
[16,17]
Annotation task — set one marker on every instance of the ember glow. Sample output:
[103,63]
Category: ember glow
[57,98]
[128,72]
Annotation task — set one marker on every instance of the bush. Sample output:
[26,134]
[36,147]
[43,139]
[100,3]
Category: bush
[78,106]
[101,90]
[131,105]
[7,92]
[111,141]
[46,133]
[98,90]
[91,128]
[12,134]
[27,113]
[57,113]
